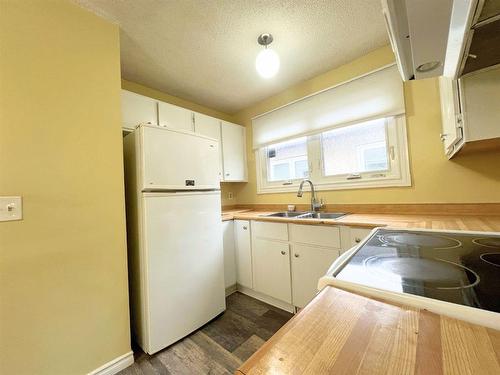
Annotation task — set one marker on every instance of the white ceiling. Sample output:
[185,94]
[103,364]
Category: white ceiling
[204,50]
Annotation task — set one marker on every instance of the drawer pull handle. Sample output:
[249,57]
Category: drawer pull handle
[245,228]
[283,252]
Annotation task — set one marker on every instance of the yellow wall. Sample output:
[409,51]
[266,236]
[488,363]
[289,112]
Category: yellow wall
[472,178]
[63,275]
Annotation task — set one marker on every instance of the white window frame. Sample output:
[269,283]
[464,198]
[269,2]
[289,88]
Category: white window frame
[398,175]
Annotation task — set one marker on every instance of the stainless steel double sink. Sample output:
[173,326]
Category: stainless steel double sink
[307,215]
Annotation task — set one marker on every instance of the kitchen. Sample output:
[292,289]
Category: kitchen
[350,148]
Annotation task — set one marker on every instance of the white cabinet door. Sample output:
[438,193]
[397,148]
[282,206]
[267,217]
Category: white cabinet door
[450,111]
[480,98]
[172,116]
[229,253]
[206,125]
[210,127]
[137,109]
[309,264]
[233,152]
[243,253]
[271,269]
[358,235]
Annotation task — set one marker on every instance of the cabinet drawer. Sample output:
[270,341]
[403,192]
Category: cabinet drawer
[275,231]
[327,236]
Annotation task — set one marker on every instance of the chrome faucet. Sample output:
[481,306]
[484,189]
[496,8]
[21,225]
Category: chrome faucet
[315,205]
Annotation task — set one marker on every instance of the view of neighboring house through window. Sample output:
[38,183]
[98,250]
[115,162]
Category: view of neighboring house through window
[355,149]
[287,160]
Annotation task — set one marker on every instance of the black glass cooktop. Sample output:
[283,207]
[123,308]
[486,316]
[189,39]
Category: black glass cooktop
[449,266]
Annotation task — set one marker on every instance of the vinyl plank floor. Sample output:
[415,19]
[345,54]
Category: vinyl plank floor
[220,346]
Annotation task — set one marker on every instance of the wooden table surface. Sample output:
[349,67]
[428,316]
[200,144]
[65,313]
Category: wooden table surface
[487,223]
[345,333]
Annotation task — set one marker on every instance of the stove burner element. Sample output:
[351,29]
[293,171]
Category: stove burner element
[488,242]
[491,258]
[420,240]
[432,273]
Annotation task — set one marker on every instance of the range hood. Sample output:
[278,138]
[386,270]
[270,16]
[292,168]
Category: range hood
[431,38]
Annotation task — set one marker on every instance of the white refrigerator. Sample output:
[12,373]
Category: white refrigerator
[174,230]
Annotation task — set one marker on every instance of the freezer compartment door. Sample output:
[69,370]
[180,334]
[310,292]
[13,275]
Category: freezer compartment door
[177,160]
[185,266]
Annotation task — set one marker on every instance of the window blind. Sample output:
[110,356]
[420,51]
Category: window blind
[373,95]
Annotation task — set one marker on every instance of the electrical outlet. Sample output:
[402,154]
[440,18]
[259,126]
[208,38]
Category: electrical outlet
[11,208]
[230,195]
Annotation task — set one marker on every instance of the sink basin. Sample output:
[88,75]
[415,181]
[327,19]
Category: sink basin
[308,215]
[287,214]
[322,215]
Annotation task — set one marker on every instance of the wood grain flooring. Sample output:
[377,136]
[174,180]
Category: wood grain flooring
[219,347]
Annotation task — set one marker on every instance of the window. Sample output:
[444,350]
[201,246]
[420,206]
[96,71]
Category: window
[287,160]
[360,155]
[350,150]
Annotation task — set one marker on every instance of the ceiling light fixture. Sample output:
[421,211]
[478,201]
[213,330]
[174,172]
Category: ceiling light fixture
[428,66]
[267,62]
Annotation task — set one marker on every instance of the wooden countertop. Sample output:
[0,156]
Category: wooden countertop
[345,333]
[487,223]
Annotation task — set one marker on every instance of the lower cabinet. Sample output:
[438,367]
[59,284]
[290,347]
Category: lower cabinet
[309,264]
[285,261]
[271,269]
[243,251]
[358,234]
[229,253]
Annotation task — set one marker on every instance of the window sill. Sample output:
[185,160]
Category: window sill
[348,185]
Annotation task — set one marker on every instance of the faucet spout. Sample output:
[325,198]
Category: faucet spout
[315,205]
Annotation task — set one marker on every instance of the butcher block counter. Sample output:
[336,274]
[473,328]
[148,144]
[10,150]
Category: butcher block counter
[344,333]
[454,221]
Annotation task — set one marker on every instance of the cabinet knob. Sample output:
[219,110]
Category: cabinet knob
[296,255]
[245,228]
[443,136]
[357,240]
[283,252]
[227,174]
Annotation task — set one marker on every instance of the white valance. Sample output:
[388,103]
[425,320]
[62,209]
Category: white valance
[373,95]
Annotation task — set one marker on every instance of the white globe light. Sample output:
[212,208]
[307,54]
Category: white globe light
[267,63]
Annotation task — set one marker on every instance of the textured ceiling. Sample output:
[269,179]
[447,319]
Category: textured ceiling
[204,50]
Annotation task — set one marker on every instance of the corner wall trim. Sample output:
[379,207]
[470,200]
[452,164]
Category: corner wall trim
[115,366]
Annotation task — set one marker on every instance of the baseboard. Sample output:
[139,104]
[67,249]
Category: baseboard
[267,299]
[231,289]
[115,366]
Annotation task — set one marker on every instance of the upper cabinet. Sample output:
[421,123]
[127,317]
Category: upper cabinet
[137,109]
[450,114]
[172,116]
[470,112]
[207,125]
[210,127]
[234,152]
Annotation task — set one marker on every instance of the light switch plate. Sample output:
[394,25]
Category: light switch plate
[11,208]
